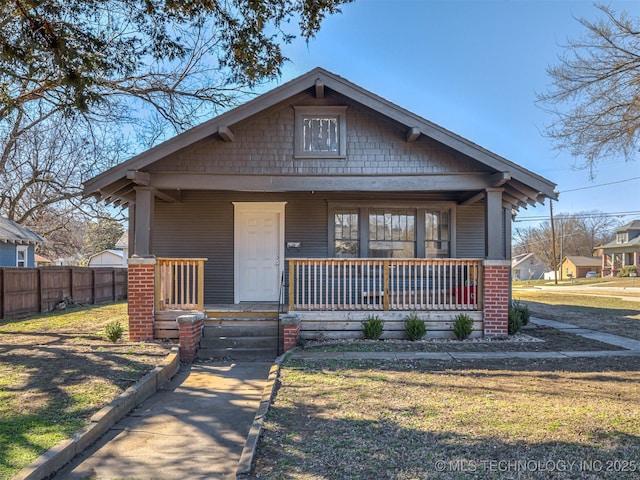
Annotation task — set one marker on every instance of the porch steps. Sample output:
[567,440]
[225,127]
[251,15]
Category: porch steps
[240,335]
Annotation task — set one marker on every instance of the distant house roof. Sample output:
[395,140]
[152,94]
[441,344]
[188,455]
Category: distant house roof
[123,241]
[11,232]
[41,259]
[519,259]
[632,226]
[579,261]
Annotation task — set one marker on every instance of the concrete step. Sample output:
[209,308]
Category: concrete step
[240,330]
[249,354]
[239,342]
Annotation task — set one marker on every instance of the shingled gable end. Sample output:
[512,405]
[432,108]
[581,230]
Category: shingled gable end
[328,200]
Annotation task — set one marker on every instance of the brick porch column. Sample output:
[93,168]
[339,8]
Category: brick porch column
[190,327]
[496,297]
[291,328]
[141,277]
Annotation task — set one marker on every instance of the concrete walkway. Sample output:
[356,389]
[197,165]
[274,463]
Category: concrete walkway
[194,428]
[206,422]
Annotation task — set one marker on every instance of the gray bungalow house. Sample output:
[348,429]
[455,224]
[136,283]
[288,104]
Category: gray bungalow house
[327,203]
[622,252]
[17,245]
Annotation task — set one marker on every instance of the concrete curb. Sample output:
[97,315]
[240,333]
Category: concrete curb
[63,452]
[245,464]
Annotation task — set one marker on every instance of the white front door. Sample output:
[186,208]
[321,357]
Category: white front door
[259,251]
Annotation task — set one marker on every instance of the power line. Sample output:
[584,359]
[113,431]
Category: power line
[600,185]
[579,215]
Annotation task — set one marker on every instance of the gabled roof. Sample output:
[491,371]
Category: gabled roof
[579,261]
[521,184]
[11,232]
[632,225]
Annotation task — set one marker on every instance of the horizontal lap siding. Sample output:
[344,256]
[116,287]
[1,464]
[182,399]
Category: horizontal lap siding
[470,231]
[202,226]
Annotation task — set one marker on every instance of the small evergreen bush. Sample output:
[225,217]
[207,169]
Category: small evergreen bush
[627,271]
[414,327]
[372,328]
[114,331]
[515,321]
[523,310]
[462,326]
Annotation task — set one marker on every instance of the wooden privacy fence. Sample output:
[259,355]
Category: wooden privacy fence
[25,291]
[384,284]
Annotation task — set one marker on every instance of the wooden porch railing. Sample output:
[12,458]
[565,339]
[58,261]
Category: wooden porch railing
[384,284]
[180,283]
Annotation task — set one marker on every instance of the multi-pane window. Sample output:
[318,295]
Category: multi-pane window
[392,233]
[436,235]
[21,256]
[346,233]
[320,134]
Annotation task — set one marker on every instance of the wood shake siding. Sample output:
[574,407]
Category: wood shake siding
[264,144]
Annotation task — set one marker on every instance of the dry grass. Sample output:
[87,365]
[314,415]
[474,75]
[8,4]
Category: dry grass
[422,420]
[477,419]
[609,314]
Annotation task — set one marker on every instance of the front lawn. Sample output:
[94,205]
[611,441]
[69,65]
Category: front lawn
[56,370]
[564,419]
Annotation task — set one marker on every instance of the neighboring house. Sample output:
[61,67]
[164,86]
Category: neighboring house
[17,245]
[329,199]
[41,261]
[108,258]
[527,267]
[123,244]
[574,266]
[624,251]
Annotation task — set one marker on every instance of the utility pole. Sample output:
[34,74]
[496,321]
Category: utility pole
[553,244]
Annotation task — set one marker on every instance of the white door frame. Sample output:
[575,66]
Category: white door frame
[254,207]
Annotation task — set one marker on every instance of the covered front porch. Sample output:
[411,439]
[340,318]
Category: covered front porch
[329,298]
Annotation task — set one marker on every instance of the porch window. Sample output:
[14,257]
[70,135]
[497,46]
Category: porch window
[346,233]
[21,256]
[392,233]
[436,243]
[320,132]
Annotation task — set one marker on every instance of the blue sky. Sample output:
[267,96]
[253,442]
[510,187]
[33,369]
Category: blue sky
[474,68]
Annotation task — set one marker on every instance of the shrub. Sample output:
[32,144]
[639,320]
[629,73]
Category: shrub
[414,327]
[523,309]
[462,326]
[372,328]
[627,271]
[515,321]
[114,331]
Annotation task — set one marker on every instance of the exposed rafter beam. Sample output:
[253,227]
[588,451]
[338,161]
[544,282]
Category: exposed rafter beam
[169,197]
[319,88]
[500,178]
[474,199]
[226,134]
[412,134]
[139,178]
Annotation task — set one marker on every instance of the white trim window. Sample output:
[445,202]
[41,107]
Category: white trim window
[22,253]
[320,132]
